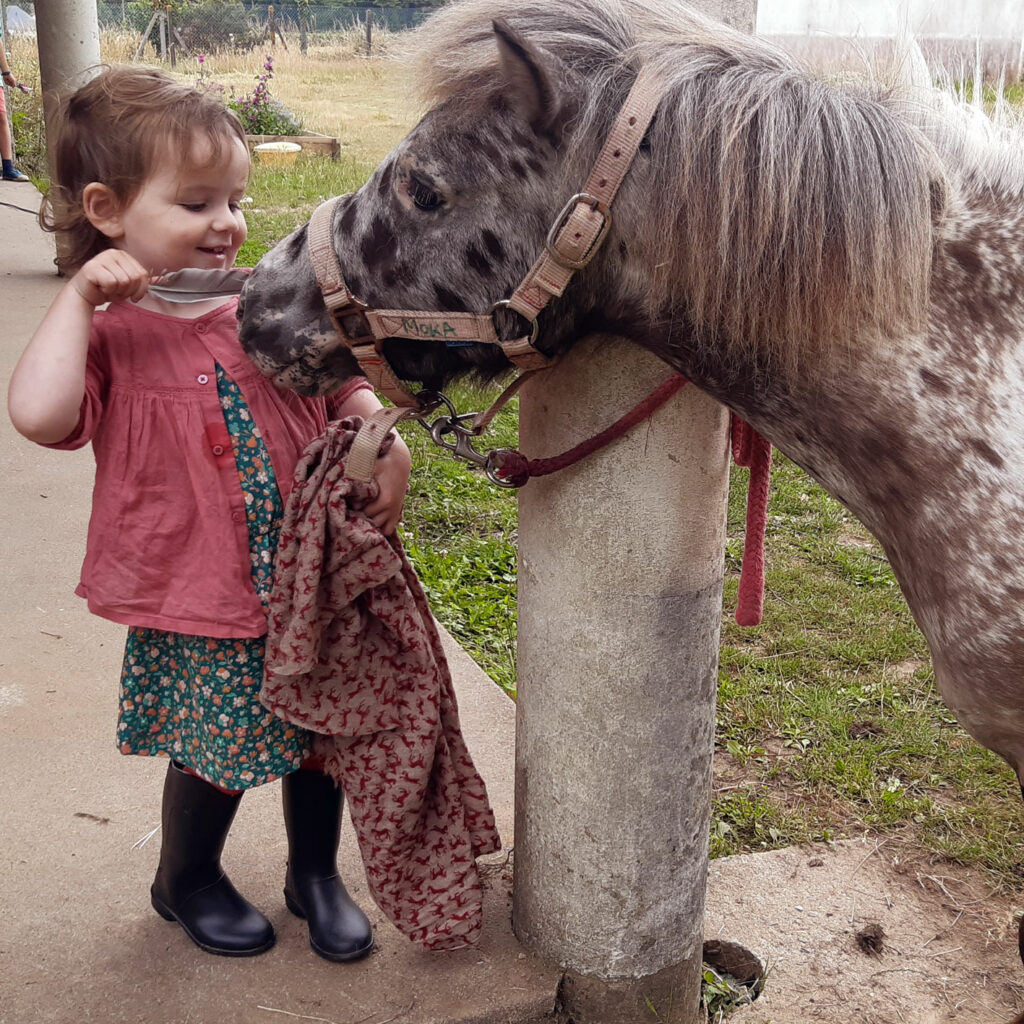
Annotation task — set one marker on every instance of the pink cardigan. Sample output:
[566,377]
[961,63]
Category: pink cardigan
[168,543]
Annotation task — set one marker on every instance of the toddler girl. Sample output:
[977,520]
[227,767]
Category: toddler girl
[193,450]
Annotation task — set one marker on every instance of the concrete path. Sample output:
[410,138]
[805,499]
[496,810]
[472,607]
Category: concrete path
[78,939]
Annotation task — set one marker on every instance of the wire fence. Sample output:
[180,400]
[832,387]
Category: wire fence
[240,27]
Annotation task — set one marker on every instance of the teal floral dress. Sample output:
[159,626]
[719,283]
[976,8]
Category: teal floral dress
[196,698]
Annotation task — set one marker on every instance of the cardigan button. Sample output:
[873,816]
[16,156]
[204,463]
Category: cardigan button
[203,379]
[237,516]
[218,449]
[201,328]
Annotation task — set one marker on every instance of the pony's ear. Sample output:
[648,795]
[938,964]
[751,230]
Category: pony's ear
[532,77]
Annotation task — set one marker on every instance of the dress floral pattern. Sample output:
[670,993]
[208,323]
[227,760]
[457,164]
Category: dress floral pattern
[196,698]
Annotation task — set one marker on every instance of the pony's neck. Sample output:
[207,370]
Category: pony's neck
[853,429]
[876,425]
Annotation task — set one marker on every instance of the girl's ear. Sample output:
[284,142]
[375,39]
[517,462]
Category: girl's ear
[103,209]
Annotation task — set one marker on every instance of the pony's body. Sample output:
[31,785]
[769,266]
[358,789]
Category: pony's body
[841,267]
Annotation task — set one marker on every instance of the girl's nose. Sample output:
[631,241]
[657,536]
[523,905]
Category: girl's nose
[224,219]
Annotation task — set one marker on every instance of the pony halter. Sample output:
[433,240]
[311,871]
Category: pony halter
[574,238]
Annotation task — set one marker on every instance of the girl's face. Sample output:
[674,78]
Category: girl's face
[188,216]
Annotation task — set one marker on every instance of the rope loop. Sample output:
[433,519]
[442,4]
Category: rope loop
[510,468]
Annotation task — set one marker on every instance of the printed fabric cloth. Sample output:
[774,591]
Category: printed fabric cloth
[353,655]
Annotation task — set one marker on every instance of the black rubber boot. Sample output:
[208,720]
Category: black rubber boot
[190,886]
[338,929]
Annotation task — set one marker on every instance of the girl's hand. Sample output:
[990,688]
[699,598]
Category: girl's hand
[392,474]
[112,276]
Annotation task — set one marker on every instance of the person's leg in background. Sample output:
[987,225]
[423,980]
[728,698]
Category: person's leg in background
[10,172]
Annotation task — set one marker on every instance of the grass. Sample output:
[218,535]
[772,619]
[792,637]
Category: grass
[829,724]
[460,532]
[284,198]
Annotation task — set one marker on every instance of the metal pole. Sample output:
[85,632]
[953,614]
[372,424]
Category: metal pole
[621,564]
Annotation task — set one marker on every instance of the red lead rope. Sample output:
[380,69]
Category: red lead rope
[748,449]
[517,469]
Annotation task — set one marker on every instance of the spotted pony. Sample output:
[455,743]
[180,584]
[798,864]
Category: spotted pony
[840,263]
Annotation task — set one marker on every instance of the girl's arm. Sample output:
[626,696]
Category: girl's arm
[46,390]
[392,472]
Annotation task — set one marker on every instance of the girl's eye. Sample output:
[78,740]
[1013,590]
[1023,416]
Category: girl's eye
[194,207]
[423,196]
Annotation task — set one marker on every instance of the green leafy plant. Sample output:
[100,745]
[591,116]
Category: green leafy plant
[721,994]
[207,25]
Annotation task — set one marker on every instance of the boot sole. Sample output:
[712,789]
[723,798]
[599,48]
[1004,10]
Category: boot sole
[168,915]
[336,958]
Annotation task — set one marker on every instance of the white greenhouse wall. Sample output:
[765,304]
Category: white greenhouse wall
[956,19]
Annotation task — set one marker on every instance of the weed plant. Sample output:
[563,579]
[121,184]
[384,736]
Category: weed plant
[259,111]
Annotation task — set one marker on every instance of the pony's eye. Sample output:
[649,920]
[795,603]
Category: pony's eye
[423,196]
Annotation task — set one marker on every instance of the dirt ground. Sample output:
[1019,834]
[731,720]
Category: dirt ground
[949,952]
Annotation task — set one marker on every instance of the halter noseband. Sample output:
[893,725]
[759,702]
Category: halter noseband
[574,238]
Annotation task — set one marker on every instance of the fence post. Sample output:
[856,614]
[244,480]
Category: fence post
[163,36]
[173,49]
[369,32]
[621,565]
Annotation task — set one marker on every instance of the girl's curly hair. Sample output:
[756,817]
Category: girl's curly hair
[113,130]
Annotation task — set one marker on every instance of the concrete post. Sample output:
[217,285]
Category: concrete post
[621,562]
[68,37]
[620,593]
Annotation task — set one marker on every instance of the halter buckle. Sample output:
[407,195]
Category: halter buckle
[353,308]
[586,199]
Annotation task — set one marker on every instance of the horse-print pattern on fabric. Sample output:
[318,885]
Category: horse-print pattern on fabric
[354,656]
[840,264]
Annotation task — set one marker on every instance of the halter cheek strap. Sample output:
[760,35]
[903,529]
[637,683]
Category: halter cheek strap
[585,220]
[575,237]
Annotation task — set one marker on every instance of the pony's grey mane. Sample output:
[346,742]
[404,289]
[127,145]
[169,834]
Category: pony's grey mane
[807,209]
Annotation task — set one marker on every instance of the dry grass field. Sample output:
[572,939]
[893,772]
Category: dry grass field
[366,103]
